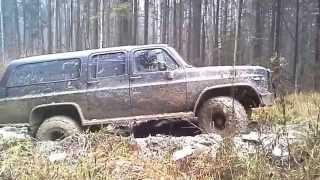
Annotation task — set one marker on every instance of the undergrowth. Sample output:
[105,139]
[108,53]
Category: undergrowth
[112,157]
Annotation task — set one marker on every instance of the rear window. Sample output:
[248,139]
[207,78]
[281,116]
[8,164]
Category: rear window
[45,72]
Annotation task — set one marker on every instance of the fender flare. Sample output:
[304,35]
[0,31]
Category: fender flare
[248,85]
[76,106]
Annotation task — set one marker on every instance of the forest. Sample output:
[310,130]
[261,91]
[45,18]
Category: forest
[205,32]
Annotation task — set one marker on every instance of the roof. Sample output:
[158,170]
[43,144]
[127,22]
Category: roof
[79,54]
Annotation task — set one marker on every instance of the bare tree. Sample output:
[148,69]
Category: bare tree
[49,27]
[278,29]
[237,36]
[135,21]
[317,50]
[258,42]
[196,31]
[203,36]
[17,27]
[58,26]
[296,48]
[146,21]
[123,23]
[78,26]
[2,32]
[95,25]
[217,24]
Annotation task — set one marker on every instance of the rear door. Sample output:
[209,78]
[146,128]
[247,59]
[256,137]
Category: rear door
[155,89]
[108,86]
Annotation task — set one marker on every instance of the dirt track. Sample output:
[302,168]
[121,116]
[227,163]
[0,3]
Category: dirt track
[179,138]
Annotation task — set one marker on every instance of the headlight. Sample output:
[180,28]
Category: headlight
[262,82]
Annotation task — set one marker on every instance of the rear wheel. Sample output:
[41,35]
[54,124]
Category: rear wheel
[57,128]
[222,115]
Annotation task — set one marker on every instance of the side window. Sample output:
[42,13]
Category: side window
[45,72]
[150,60]
[111,64]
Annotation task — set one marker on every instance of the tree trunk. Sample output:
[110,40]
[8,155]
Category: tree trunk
[25,46]
[189,32]
[196,31]
[17,28]
[2,33]
[217,24]
[87,25]
[154,22]
[146,21]
[181,20]
[273,29]
[258,42]
[95,25]
[203,38]
[237,36]
[49,32]
[71,31]
[78,27]
[108,39]
[57,27]
[164,7]
[123,24]
[175,29]
[101,43]
[317,51]
[225,20]
[135,22]
[296,48]
[278,29]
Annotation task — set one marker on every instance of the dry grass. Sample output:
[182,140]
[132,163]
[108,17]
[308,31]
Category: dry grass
[111,157]
[291,109]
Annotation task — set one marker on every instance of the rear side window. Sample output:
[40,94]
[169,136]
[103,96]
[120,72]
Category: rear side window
[111,64]
[45,72]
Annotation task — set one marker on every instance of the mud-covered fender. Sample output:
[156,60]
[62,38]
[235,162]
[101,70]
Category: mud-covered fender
[233,85]
[66,108]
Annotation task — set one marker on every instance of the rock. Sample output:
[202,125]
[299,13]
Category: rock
[14,133]
[57,157]
[183,153]
[158,147]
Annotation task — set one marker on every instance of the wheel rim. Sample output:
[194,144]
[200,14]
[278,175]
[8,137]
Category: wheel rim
[57,134]
[218,120]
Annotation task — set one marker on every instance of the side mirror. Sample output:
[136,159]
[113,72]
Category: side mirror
[162,66]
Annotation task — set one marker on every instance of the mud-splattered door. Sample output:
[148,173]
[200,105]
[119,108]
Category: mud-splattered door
[157,83]
[108,86]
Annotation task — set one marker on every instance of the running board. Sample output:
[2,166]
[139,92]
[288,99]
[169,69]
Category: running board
[134,119]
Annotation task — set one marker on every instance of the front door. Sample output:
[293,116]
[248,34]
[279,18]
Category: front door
[108,86]
[157,83]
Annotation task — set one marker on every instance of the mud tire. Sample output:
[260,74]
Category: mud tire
[217,116]
[57,128]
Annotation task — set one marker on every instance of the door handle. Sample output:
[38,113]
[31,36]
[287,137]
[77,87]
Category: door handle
[135,77]
[170,75]
[93,82]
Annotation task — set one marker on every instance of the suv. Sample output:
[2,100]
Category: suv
[58,95]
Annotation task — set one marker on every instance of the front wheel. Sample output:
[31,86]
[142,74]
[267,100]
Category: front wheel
[222,115]
[57,128]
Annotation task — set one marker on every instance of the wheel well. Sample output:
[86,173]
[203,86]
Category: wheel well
[40,114]
[246,95]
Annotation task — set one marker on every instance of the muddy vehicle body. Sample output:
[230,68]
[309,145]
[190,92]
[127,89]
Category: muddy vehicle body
[59,94]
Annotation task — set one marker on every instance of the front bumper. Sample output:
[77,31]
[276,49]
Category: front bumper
[267,99]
